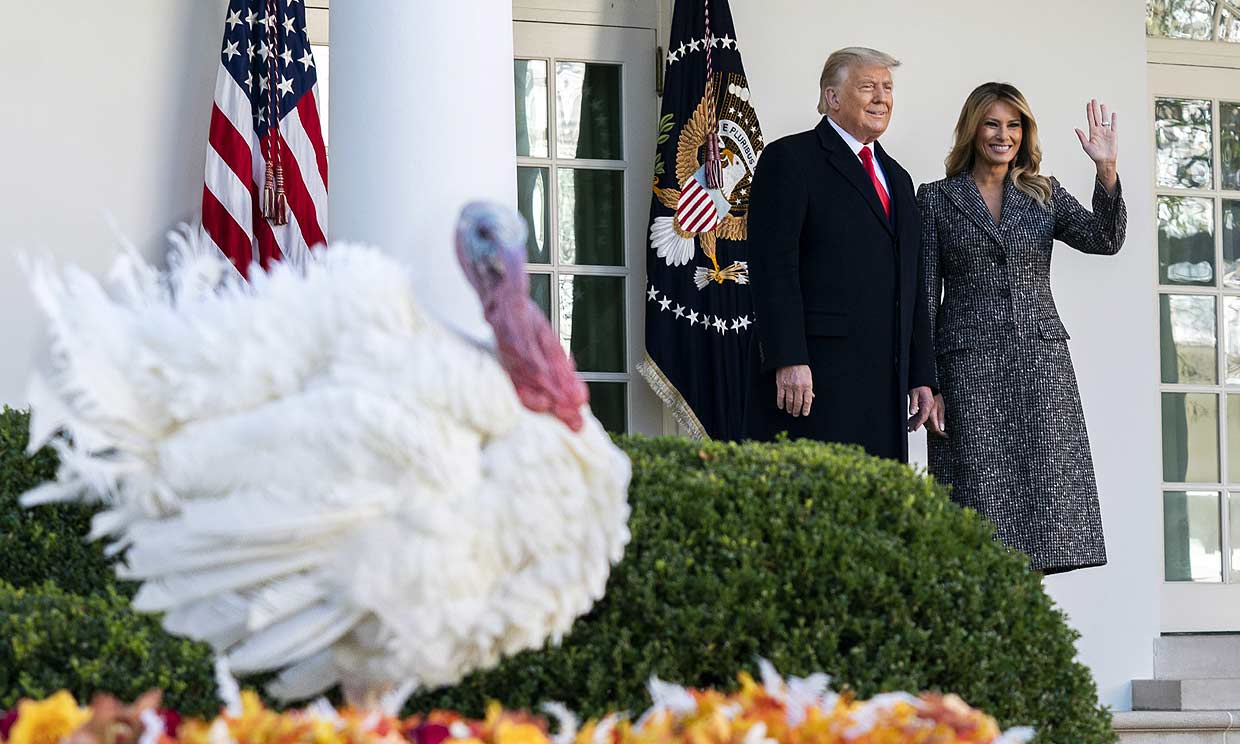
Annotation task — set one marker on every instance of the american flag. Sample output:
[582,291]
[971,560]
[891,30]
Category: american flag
[265,195]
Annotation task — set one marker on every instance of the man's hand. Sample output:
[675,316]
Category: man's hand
[794,389]
[920,406]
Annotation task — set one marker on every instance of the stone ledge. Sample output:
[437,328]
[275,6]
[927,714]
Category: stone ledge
[1176,720]
[1196,656]
[1185,694]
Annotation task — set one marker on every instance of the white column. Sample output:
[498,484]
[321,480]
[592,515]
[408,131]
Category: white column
[422,121]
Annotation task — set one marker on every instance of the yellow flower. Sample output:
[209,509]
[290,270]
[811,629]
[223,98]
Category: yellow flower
[324,732]
[47,721]
[518,733]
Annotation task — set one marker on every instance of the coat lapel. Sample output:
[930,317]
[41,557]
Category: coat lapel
[962,191]
[901,209]
[849,166]
[1015,203]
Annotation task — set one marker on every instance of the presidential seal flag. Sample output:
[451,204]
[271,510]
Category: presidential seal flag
[698,309]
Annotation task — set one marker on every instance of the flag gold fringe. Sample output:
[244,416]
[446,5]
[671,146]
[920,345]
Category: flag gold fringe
[671,397]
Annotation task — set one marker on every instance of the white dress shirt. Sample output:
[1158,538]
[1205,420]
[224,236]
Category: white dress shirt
[857,147]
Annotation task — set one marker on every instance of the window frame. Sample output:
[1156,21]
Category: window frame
[1228,483]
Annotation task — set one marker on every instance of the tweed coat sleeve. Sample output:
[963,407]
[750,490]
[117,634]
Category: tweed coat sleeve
[778,200]
[922,371]
[1101,232]
[932,278]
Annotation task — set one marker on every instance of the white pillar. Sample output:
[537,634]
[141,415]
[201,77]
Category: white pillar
[422,121]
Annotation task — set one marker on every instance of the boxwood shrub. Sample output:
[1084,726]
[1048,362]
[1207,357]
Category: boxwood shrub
[46,543]
[52,640]
[814,556]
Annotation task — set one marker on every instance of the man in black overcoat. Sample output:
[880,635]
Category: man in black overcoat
[834,237]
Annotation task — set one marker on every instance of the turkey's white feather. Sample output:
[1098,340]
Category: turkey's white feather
[305,678]
[316,477]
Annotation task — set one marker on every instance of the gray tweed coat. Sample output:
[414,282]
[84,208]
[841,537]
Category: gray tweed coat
[1017,450]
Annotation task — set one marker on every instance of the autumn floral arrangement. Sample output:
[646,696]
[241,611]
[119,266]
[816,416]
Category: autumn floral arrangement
[773,711]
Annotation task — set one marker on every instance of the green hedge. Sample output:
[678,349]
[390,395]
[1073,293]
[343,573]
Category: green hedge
[46,543]
[52,640]
[814,556]
[818,558]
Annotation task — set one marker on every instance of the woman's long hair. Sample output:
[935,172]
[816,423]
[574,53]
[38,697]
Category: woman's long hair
[1024,169]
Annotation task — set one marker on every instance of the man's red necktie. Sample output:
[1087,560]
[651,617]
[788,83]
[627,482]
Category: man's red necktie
[867,159]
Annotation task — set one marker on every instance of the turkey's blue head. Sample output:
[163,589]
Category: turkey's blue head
[490,244]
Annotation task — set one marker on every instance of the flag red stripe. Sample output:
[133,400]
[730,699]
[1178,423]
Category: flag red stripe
[693,202]
[701,215]
[233,149]
[308,110]
[264,237]
[300,202]
[698,208]
[227,235]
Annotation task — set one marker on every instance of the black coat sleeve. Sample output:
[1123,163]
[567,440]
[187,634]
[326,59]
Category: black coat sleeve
[777,203]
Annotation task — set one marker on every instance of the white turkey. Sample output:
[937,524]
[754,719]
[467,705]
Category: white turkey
[315,476]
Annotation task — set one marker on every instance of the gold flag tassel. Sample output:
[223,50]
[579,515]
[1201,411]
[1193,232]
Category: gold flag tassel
[269,191]
[714,164]
[281,211]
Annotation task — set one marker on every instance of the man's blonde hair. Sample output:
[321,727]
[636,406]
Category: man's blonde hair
[835,70]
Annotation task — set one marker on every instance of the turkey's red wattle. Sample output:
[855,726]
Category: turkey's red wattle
[540,370]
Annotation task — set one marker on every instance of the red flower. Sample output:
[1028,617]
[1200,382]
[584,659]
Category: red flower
[6,722]
[428,733]
[172,721]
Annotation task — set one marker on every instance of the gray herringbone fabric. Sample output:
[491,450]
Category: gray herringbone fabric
[1017,450]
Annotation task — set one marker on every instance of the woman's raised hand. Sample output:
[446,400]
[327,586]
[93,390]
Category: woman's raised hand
[1100,144]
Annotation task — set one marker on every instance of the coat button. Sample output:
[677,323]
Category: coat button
[1002,259]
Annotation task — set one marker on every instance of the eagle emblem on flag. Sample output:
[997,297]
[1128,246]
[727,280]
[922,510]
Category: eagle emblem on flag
[702,214]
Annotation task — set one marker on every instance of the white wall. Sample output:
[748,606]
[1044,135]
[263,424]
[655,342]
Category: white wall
[1059,53]
[103,107]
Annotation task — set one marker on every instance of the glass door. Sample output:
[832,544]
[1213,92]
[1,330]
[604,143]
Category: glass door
[585,105]
[1195,111]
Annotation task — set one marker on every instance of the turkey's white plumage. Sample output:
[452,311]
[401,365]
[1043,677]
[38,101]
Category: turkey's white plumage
[311,474]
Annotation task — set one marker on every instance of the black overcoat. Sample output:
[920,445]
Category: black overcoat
[836,285]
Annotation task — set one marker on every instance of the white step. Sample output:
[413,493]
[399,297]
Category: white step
[1185,694]
[1191,727]
[1197,657]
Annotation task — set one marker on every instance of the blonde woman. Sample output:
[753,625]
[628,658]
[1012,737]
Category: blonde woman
[1008,433]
